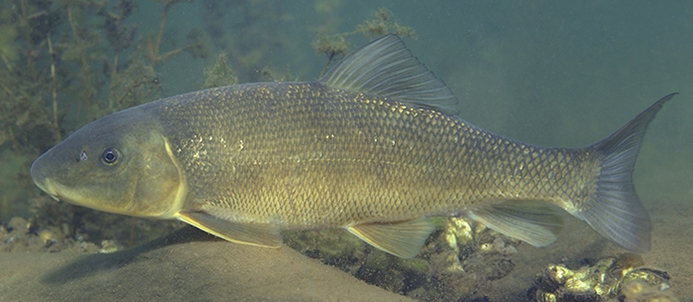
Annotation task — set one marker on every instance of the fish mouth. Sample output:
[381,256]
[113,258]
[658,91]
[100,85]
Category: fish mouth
[41,177]
[50,189]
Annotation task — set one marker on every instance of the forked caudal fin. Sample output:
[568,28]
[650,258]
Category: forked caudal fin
[616,212]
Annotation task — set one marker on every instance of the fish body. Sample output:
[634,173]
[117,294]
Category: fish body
[373,147]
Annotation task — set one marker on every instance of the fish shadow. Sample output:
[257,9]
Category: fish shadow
[93,264]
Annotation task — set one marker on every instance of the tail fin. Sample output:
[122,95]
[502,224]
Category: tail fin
[616,212]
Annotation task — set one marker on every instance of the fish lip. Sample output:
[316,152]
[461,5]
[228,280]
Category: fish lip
[50,189]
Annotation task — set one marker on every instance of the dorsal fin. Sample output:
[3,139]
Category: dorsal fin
[385,67]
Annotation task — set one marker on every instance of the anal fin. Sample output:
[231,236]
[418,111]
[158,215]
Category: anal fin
[534,222]
[403,239]
[258,234]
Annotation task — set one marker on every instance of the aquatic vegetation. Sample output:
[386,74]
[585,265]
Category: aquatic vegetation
[336,46]
[137,84]
[220,74]
[66,63]
[383,23]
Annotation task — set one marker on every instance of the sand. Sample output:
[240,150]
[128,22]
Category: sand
[184,266]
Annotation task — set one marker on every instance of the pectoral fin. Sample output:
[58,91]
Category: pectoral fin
[534,222]
[402,239]
[259,234]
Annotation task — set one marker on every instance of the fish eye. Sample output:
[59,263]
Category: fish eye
[110,156]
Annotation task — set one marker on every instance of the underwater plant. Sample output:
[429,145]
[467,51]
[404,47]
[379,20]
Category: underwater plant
[335,46]
[66,63]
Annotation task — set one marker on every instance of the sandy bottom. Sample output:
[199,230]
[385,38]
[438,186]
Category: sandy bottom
[189,265]
[672,246]
[185,266]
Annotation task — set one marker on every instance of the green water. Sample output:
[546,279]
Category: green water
[551,73]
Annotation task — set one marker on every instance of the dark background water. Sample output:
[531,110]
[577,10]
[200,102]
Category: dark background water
[552,73]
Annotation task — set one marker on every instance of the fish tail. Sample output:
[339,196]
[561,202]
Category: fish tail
[616,211]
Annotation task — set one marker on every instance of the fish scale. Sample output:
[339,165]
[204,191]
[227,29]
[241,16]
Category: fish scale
[373,147]
[375,158]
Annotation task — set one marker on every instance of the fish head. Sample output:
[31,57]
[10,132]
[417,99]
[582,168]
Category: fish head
[121,164]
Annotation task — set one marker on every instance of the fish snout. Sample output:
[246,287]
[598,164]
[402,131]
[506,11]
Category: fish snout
[40,176]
